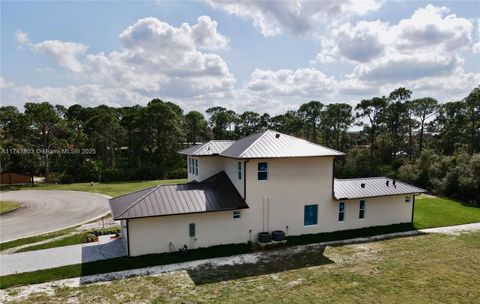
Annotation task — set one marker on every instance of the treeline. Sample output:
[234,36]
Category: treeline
[400,135]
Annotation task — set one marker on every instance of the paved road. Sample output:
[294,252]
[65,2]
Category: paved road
[61,256]
[48,210]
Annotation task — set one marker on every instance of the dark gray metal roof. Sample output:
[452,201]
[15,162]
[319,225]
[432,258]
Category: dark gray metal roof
[209,148]
[272,144]
[374,186]
[214,194]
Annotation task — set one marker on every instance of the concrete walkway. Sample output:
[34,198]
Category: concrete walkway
[105,248]
[49,210]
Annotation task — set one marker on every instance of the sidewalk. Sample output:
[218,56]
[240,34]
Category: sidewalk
[105,248]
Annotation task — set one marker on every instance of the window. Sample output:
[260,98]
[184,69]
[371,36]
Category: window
[190,166]
[407,199]
[196,166]
[262,171]
[310,216]
[341,211]
[191,229]
[361,213]
[236,214]
[239,169]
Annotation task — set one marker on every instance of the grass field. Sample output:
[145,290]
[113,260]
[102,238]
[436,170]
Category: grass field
[112,189]
[430,268]
[438,211]
[6,206]
[34,239]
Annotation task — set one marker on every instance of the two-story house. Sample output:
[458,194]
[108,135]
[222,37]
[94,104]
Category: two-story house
[267,181]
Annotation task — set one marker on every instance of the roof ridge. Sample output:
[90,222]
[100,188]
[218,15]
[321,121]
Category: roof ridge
[200,146]
[254,142]
[140,199]
[352,178]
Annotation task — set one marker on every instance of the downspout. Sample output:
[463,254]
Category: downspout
[413,207]
[245,180]
[128,239]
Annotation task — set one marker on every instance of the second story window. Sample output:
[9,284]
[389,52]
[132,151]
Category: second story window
[195,168]
[262,171]
[239,169]
[190,165]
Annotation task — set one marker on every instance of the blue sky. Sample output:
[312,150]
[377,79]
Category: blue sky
[261,56]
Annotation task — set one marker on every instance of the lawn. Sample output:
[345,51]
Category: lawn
[434,268]
[111,189]
[438,211]
[34,239]
[6,206]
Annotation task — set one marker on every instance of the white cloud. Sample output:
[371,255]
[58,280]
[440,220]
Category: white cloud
[5,84]
[399,67]
[66,54]
[274,18]
[304,82]
[156,59]
[86,95]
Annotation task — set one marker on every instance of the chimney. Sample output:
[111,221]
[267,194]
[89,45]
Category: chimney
[387,183]
[277,135]
[362,185]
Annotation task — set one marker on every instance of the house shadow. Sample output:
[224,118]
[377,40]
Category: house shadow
[268,262]
[97,252]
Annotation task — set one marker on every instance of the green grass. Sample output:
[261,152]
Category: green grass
[126,263]
[34,239]
[73,239]
[422,269]
[112,189]
[7,206]
[438,211]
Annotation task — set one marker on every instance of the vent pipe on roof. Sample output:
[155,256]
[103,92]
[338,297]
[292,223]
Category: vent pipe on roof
[362,185]
[387,183]
[277,135]
[393,182]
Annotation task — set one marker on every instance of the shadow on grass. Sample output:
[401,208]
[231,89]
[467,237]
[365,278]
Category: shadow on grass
[268,263]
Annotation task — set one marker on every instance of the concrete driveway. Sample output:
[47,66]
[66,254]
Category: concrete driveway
[105,248]
[49,210]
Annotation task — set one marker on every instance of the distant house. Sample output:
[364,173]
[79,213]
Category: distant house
[264,182]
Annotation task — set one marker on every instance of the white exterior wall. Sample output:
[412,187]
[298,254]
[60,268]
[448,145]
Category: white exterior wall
[207,167]
[154,234]
[274,204]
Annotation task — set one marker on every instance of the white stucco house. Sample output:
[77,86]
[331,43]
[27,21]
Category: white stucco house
[267,181]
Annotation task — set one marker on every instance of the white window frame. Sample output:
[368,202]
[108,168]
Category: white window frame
[196,166]
[360,209]
[239,170]
[341,212]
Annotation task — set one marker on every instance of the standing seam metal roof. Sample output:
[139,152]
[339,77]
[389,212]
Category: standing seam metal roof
[217,193]
[272,144]
[374,186]
[209,148]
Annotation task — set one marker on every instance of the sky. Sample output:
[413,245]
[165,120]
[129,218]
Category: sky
[246,56]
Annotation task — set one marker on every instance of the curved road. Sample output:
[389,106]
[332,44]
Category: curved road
[48,210]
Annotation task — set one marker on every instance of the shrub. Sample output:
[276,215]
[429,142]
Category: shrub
[88,237]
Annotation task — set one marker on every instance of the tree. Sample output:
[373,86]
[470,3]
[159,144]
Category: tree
[248,123]
[424,108]
[221,121]
[339,116]
[196,128]
[289,123]
[395,118]
[43,119]
[373,110]
[310,114]
[472,102]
